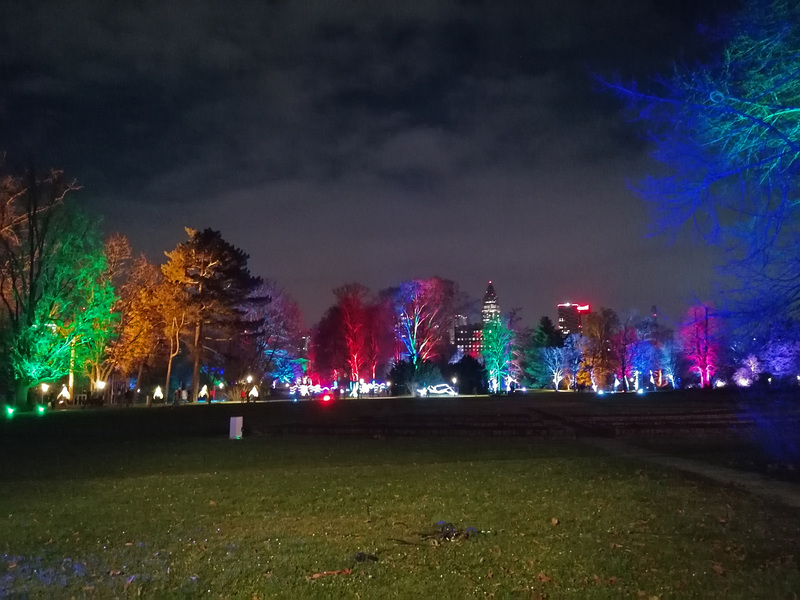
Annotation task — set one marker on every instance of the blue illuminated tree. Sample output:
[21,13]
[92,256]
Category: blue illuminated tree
[728,133]
[423,313]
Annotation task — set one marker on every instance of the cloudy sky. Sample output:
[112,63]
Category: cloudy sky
[364,141]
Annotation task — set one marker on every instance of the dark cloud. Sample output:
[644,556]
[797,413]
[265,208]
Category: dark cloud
[355,140]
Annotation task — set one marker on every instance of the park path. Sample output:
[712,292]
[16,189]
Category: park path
[784,492]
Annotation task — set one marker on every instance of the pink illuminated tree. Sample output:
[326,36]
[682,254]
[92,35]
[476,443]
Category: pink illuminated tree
[700,342]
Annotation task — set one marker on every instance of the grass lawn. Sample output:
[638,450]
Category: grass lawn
[306,517]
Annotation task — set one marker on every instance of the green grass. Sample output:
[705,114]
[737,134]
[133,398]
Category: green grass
[257,518]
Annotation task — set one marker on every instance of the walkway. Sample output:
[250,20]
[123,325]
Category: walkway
[784,492]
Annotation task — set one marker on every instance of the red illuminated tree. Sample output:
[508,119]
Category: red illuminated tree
[352,302]
[354,338]
[700,339]
[379,338]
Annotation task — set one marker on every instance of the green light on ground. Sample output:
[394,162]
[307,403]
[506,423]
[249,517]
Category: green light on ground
[10,410]
[40,409]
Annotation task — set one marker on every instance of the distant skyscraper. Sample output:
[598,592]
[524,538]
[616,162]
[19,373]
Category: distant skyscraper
[467,338]
[569,317]
[491,308]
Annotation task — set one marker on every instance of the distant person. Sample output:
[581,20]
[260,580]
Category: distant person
[184,396]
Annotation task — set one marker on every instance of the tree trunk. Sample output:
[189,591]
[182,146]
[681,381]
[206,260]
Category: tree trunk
[71,384]
[169,373]
[196,368]
[21,395]
[139,380]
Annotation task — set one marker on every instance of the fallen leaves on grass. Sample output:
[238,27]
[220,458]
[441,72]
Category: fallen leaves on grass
[544,578]
[718,568]
[554,521]
[326,573]
[600,581]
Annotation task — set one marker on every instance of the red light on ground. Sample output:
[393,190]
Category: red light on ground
[326,398]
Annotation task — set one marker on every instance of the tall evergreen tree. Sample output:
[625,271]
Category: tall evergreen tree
[215,276]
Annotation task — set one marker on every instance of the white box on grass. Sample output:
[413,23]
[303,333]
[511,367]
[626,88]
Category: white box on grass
[236,428]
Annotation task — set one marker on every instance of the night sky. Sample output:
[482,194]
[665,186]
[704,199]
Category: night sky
[370,142]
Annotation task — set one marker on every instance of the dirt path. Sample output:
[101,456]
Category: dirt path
[787,493]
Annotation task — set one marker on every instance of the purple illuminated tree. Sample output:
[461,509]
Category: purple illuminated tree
[781,353]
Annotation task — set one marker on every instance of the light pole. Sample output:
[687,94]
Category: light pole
[44,388]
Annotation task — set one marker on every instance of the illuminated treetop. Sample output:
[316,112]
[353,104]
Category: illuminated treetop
[729,134]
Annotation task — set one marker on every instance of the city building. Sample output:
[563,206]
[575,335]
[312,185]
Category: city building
[491,308]
[569,317]
[468,338]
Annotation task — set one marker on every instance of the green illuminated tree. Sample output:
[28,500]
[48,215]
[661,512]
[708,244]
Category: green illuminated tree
[217,283]
[54,300]
[498,349]
[100,362]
